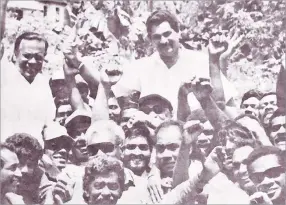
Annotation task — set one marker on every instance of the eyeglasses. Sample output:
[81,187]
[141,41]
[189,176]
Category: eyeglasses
[172,147]
[270,173]
[142,147]
[105,147]
[275,128]
[37,57]
[158,109]
[58,144]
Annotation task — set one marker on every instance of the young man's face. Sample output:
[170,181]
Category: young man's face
[104,189]
[57,149]
[10,174]
[165,39]
[204,141]
[268,105]
[27,167]
[240,172]
[114,109]
[268,175]
[136,154]
[167,148]
[30,58]
[63,112]
[250,106]
[278,132]
[229,146]
[104,142]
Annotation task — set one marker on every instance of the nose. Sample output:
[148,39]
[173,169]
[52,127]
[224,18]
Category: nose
[24,169]
[266,184]
[163,40]
[137,151]
[167,154]
[18,173]
[243,170]
[32,60]
[106,192]
[63,152]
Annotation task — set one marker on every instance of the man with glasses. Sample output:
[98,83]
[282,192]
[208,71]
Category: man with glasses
[277,129]
[137,148]
[266,168]
[31,106]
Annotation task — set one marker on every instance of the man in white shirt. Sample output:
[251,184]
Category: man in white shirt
[27,103]
[163,72]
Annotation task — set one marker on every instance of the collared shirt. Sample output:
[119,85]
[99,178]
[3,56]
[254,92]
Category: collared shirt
[150,75]
[25,107]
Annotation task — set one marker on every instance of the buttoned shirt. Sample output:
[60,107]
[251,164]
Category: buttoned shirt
[25,107]
[150,75]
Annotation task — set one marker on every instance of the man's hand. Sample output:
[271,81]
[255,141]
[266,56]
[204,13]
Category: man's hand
[71,53]
[213,164]
[260,198]
[13,198]
[104,79]
[201,87]
[63,190]
[155,189]
[192,129]
[70,71]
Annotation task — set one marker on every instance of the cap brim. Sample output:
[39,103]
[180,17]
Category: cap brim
[154,97]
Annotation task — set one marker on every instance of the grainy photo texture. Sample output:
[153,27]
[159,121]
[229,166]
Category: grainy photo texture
[143,102]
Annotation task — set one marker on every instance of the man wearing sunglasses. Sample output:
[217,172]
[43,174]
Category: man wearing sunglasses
[31,106]
[137,148]
[277,129]
[266,168]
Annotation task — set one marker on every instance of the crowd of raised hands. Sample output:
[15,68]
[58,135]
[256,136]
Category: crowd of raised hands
[163,129]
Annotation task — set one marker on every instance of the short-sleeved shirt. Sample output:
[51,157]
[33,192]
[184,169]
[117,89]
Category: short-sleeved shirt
[150,75]
[25,107]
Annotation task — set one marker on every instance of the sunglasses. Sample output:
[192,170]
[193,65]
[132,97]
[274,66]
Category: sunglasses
[35,56]
[172,147]
[105,147]
[270,173]
[275,128]
[58,144]
[158,109]
[143,147]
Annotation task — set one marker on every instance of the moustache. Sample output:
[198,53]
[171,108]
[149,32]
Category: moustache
[281,137]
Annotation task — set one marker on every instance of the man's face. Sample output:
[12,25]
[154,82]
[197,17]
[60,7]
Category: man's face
[10,174]
[204,141]
[104,142]
[167,147]
[250,106]
[156,110]
[57,149]
[278,132]
[114,109]
[30,58]
[229,146]
[104,189]
[126,115]
[63,112]
[240,172]
[136,154]
[165,39]
[268,175]
[27,167]
[268,105]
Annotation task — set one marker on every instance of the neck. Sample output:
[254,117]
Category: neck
[170,60]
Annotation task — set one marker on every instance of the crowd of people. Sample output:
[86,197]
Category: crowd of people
[164,129]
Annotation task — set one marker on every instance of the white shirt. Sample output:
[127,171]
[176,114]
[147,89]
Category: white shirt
[150,75]
[25,107]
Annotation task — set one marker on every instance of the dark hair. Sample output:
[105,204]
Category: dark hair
[26,146]
[160,16]
[266,94]
[251,93]
[139,129]
[5,146]
[246,115]
[198,114]
[263,151]
[169,123]
[102,164]
[279,112]
[236,131]
[29,36]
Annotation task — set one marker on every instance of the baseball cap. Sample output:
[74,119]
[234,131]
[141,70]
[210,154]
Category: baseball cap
[76,118]
[55,130]
[157,98]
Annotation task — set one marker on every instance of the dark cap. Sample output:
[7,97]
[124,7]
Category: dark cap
[154,97]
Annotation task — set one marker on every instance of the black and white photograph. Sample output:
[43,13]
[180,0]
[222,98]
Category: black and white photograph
[116,102]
